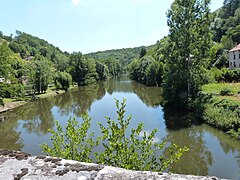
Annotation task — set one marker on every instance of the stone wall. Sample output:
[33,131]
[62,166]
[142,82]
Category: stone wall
[15,165]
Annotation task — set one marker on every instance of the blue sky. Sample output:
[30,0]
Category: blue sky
[89,25]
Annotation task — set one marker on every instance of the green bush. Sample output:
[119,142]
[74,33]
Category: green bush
[223,114]
[226,75]
[130,152]
[233,133]
[12,90]
[74,143]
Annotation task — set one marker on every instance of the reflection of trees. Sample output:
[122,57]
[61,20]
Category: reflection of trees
[151,96]
[85,96]
[39,116]
[36,117]
[118,84]
[177,118]
[80,101]
[228,144]
[198,159]
[65,103]
[9,137]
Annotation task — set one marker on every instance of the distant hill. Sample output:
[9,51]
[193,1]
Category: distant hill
[125,55]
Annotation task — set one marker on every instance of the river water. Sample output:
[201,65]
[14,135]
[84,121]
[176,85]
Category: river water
[212,152]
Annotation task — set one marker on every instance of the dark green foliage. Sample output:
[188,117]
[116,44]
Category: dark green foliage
[1,101]
[130,152]
[188,51]
[225,25]
[61,62]
[28,45]
[142,53]
[124,56]
[102,70]
[147,71]
[83,70]
[225,75]
[114,66]
[63,80]
[223,114]
[5,60]
[11,68]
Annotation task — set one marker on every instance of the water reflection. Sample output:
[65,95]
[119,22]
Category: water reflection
[211,151]
[9,137]
[37,117]
[79,102]
[181,131]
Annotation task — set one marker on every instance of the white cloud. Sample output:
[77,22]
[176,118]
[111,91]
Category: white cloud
[76,2]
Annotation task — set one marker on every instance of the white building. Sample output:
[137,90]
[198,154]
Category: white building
[234,57]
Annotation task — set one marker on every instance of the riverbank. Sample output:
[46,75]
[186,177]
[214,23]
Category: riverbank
[20,165]
[10,104]
[221,107]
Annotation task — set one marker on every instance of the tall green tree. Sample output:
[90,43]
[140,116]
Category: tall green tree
[41,74]
[63,80]
[189,39]
[83,70]
[102,70]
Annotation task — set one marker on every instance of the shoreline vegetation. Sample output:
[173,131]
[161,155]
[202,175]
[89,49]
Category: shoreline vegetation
[221,107]
[11,103]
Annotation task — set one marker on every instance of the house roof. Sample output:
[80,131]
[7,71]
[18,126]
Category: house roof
[237,48]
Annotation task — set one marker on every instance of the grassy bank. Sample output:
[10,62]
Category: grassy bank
[11,103]
[222,108]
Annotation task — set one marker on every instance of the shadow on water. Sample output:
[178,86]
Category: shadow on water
[208,146]
[176,119]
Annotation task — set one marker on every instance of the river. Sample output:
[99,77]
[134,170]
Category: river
[212,152]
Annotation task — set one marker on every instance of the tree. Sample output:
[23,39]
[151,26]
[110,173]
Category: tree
[102,70]
[142,53]
[189,36]
[63,80]
[114,66]
[5,60]
[83,70]
[154,73]
[40,73]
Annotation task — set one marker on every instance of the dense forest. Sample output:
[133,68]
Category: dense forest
[31,64]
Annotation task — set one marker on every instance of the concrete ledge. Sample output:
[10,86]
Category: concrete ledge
[18,165]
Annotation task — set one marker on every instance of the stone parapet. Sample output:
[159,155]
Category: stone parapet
[16,165]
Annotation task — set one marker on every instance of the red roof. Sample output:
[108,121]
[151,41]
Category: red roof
[237,48]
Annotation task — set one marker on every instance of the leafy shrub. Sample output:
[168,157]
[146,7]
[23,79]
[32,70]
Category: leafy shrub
[118,150]
[11,90]
[234,133]
[74,143]
[226,75]
[223,114]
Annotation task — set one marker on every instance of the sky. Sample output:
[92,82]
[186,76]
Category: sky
[89,25]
